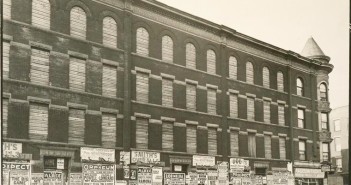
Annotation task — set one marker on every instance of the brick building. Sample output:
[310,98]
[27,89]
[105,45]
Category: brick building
[143,76]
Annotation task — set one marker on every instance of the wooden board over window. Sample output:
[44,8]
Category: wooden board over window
[109,80]
[252,144]
[5,59]
[109,122]
[233,67]
[280,81]
[142,133]
[142,87]
[234,143]
[77,74]
[249,73]
[268,146]
[211,61]
[281,114]
[265,74]
[167,92]
[167,49]
[250,109]
[38,121]
[142,41]
[6,9]
[191,138]
[5,105]
[212,141]
[39,67]
[167,136]
[190,56]
[109,30]
[78,22]
[191,97]
[267,111]
[41,13]
[233,105]
[211,101]
[76,126]
[282,151]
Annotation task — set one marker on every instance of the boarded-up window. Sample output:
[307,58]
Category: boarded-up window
[167,92]
[5,105]
[233,105]
[142,87]
[280,81]
[191,96]
[249,73]
[267,111]
[76,126]
[142,133]
[5,59]
[211,61]
[268,146]
[109,80]
[191,139]
[234,143]
[250,108]
[77,74]
[167,136]
[167,49]
[190,56]
[212,141]
[265,75]
[38,121]
[7,9]
[78,22]
[41,13]
[252,144]
[282,150]
[142,41]
[337,144]
[233,68]
[39,67]
[281,114]
[108,131]
[211,101]
[109,32]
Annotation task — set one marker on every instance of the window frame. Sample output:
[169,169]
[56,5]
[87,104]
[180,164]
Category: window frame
[302,151]
[190,55]
[299,87]
[84,23]
[301,119]
[46,17]
[167,44]
[266,77]
[250,73]
[280,82]
[325,154]
[325,123]
[339,125]
[110,38]
[142,42]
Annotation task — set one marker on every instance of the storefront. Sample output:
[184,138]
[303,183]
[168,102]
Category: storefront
[307,176]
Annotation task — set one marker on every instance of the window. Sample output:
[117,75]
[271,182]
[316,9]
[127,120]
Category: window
[7,9]
[142,87]
[167,92]
[324,121]
[190,56]
[41,13]
[109,32]
[337,144]
[211,101]
[77,74]
[249,73]
[5,107]
[265,74]
[302,150]
[325,150]
[339,163]
[267,111]
[282,150]
[167,49]
[5,59]
[281,114]
[109,80]
[191,138]
[142,41]
[301,118]
[233,105]
[250,109]
[167,136]
[211,61]
[39,67]
[234,143]
[299,87]
[76,126]
[78,22]
[252,144]
[108,131]
[337,125]
[38,121]
[268,146]
[191,96]
[280,81]
[212,141]
[233,68]
[323,92]
[142,133]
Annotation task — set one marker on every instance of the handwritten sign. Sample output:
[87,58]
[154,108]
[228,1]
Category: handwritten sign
[97,154]
[145,157]
[11,150]
[200,160]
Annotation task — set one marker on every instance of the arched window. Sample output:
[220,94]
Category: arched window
[7,9]
[265,75]
[78,22]
[211,61]
[167,49]
[190,56]
[299,87]
[233,67]
[109,32]
[280,81]
[323,92]
[142,41]
[249,73]
[41,13]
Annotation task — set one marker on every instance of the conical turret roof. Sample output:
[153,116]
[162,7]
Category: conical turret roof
[312,49]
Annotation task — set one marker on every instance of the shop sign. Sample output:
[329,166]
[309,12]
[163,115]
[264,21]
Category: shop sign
[97,154]
[52,178]
[157,176]
[145,157]
[280,178]
[15,166]
[212,177]
[238,164]
[180,160]
[102,174]
[75,179]
[19,177]
[308,173]
[325,168]
[124,157]
[201,160]
[11,150]
[144,176]
[192,178]
[60,163]
[37,179]
[202,177]
[174,178]
[121,182]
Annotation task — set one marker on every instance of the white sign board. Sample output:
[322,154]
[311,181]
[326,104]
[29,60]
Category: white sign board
[308,173]
[11,150]
[157,176]
[145,157]
[200,160]
[237,164]
[97,154]
[124,157]
[60,163]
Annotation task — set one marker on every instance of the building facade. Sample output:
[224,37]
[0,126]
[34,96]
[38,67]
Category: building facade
[140,76]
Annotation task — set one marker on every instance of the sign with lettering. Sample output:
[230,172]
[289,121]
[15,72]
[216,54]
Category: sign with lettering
[157,176]
[144,176]
[75,179]
[308,173]
[121,182]
[103,174]
[97,154]
[174,178]
[60,163]
[124,157]
[15,166]
[53,178]
[212,177]
[192,178]
[145,157]
[19,177]
[202,177]
[201,160]
[37,179]
[133,174]
[11,150]
[222,168]
[238,164]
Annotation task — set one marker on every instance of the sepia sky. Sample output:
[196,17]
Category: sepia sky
[287,24]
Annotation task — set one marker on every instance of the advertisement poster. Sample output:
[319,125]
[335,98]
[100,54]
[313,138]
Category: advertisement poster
[121,182]
[126,172]
[11,150]
[37,179]
[75,179]
[174,178]
[222,168]
[202,177]
[124,157]
[145,157]
[200,160]
[258,180]
[246,181]
[236,180]
[144,176]
[133,174]
[103,174]
[212,177]
[19,177]
[97,154]
[157,176]
[238,164]
[53,178]
[192,178]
